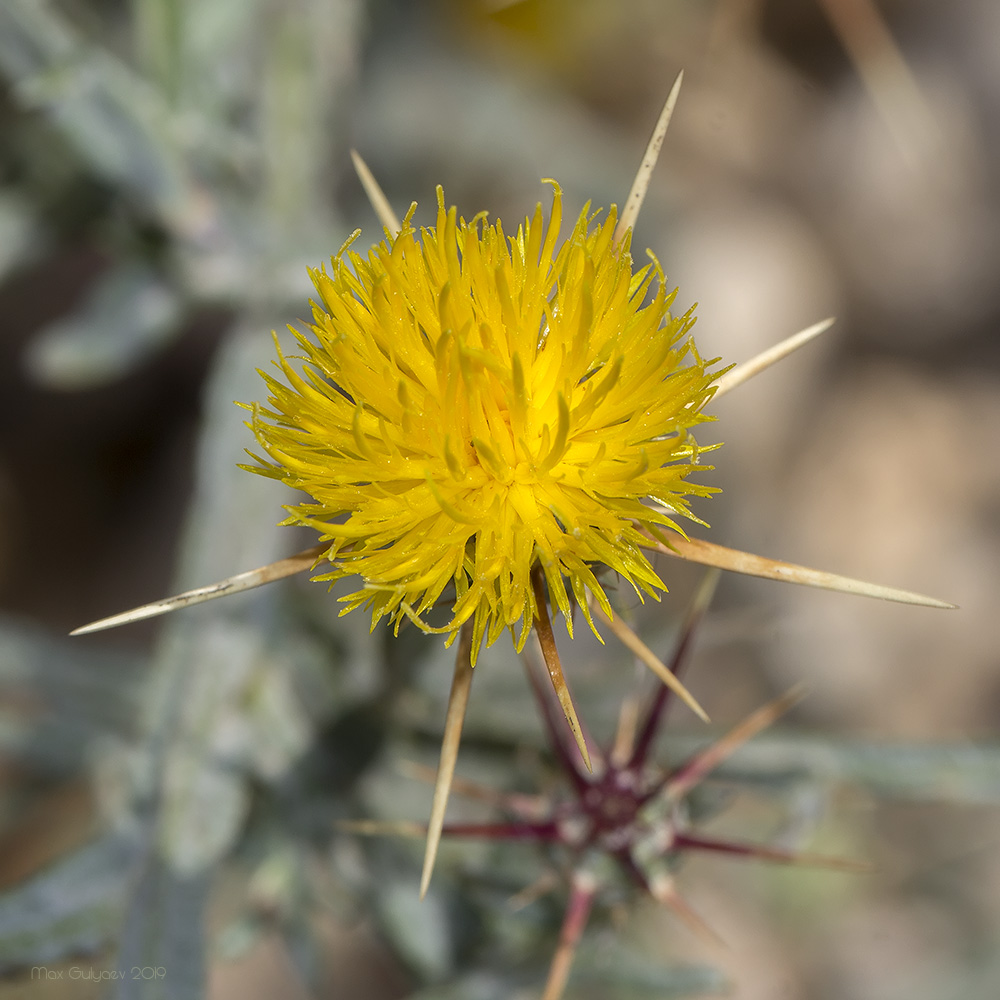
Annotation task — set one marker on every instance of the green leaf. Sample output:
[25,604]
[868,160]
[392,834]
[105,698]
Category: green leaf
[480,985]
[159,41]
[87,692]
[71,907]
[612,971]
[19,236]
[420,929]
[128,316]
[961,773]
[118,123]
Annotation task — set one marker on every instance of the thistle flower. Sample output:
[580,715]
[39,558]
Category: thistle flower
[474,405]
[499,414]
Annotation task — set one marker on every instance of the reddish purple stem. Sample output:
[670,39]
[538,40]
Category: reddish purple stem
[547,830]
[687,841]
[677,662]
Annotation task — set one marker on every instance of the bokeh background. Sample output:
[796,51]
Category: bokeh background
[168,169]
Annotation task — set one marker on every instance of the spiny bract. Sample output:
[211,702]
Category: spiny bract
[471,405]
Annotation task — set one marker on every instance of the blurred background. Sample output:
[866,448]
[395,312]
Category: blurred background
[169,168]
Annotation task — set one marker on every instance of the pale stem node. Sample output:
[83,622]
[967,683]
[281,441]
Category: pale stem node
[581,898]
[636,196]
[458,701]
[376,196]
[741,373]
[702,764]
[631,641]
[709,554]
[547,641]
[231,585]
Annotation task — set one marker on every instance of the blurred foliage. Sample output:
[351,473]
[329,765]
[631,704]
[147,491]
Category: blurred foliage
[196,140]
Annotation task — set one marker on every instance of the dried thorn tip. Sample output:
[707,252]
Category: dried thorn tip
[636,196]
[547,641]
[458,701]
[231,585]
[697,550]
[376,196]
[742,373]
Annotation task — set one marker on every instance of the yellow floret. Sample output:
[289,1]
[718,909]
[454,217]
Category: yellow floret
[472,404]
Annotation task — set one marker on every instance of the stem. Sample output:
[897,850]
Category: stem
[581,900]
[688,841]
[696,611]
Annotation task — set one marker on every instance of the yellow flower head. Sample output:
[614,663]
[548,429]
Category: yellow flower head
[473,405]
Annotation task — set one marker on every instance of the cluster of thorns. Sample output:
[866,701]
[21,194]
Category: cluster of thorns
[621,807]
